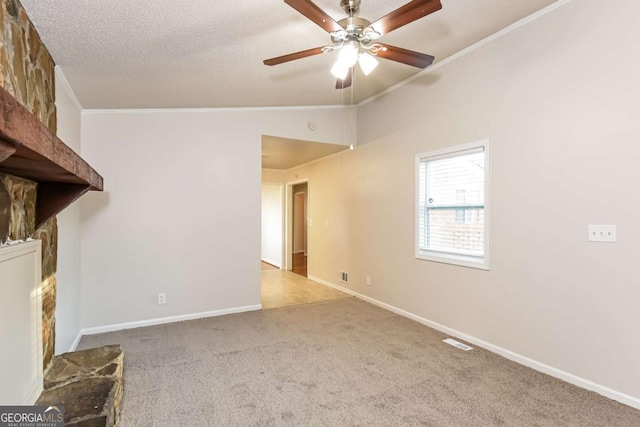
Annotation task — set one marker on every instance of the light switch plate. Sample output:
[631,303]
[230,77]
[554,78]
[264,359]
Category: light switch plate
[602,233]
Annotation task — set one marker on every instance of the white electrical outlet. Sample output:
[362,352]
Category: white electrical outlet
[368,281]
[602,233]
[162,298]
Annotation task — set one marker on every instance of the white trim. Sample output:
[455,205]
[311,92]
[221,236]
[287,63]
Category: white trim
[65,83]
[471,48]
[634,402]
[288,220]
[481,263]
[338,287]
[208,110]
[76,342]
[31,249]
[171,319]
[305,219]
[17,249]
[273,263]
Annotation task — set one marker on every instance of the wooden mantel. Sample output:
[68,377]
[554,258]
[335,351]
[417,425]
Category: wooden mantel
[28,149]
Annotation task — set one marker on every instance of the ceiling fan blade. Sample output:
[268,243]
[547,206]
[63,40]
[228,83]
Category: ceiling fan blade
[405,56]
[293,56]
[343,84]
[314,13]
[410,12]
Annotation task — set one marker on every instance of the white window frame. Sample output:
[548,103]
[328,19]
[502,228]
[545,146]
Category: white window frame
[445,257]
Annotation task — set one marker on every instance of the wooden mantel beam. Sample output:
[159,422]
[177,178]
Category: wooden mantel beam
[28,149]
[6,150]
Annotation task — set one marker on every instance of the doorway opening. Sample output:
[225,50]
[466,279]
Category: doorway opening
[287,248]
[299,228]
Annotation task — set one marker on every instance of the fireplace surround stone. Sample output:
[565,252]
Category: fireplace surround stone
[27,72]
[89,383]
[39,176]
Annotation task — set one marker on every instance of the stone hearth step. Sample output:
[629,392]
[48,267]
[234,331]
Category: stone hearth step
[89,384]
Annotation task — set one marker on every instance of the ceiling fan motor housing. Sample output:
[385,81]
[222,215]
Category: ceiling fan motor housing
[350,6]
[355,28]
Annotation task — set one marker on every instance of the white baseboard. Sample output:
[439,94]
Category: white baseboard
[275,264]
[634,402]
[75,343]
[172,319]
[340,288]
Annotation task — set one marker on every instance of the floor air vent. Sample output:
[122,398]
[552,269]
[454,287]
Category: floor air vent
[457,344]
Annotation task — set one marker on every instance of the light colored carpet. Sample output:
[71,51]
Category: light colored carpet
[338,363]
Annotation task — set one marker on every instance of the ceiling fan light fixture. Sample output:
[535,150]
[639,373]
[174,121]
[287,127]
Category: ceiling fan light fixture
[340,70]
[349,53]
[367,63]
[354,37]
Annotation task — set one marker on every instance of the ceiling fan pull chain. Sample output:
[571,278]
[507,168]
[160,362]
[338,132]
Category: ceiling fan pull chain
[353,88]
[342,114]
[353,84]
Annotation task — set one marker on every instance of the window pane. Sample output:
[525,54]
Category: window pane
[456,180]
[451,203]
[445,233]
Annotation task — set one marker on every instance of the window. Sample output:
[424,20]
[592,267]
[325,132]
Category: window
[451,206]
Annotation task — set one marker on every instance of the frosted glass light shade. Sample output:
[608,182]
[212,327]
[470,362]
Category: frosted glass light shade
[340,70]
[349,53]
[367,63]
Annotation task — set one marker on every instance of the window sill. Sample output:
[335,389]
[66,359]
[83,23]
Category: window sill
[453,259]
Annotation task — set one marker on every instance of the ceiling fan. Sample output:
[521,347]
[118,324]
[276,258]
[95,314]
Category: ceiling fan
[355,37]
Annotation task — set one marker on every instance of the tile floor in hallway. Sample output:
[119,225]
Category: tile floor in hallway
[282,288]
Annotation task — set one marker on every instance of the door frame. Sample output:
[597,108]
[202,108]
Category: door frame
[300,197]
[288,229]
[281,191]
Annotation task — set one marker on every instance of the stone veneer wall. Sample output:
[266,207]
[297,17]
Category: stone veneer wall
[27,72]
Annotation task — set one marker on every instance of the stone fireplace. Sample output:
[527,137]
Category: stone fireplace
[27,73]
[39,174]
[39,177]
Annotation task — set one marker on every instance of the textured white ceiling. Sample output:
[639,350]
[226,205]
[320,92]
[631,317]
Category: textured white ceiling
[283,153]
[208,53]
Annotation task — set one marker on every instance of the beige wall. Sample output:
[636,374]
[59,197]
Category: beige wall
[333,224]
[180,213]
[558,98]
